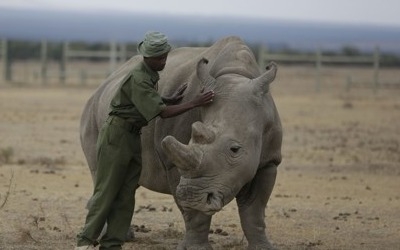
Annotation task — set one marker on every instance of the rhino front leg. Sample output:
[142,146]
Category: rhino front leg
[252,201]
[197,227]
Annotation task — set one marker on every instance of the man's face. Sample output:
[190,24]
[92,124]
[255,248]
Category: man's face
[157,63]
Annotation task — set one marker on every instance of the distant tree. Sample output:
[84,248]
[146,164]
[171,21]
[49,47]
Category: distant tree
[350,51]
[23,50]
[390,60]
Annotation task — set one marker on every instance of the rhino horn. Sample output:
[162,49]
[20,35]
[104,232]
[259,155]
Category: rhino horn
[203,74]
[183,156]
[265,79]
[201,134]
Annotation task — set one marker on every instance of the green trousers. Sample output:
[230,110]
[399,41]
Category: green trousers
[119,165]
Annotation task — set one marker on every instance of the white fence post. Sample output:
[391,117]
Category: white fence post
[3,57]
[318,65]
[113,56]
[376,68]
[122,53]
[262,55]
[63,63]
[44,64]
[6,63]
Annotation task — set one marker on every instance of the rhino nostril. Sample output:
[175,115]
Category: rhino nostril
[209,198]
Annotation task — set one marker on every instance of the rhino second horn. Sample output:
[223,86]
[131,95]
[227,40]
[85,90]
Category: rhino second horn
[203,74]
[183,156]
[265,79]
[201,134]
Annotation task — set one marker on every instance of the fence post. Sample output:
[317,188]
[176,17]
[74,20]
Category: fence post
[113,56]
[63,63]
[123,53]
[318,64]
[261,56]
[44,64]
[376,68]
[3,53]
[6,61]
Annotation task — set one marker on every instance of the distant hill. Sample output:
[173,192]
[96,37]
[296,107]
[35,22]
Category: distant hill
[128,27]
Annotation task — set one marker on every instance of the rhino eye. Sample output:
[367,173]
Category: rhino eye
[235,149]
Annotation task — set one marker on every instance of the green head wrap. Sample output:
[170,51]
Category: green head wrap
[154,44]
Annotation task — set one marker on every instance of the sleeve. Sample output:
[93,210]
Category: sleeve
[145,98]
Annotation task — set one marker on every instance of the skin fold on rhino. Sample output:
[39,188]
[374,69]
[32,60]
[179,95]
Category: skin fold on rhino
[211,155]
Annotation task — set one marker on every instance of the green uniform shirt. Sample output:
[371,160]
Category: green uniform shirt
[137,99]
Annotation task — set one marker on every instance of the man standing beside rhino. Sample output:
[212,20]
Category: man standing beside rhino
[206,157]
[119,160]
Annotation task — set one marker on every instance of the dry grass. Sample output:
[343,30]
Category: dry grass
[337,187]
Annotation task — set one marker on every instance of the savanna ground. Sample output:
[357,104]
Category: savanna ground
[338,186]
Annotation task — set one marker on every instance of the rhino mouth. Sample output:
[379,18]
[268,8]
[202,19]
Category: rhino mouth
[203,198]
[214,204]
[207,203]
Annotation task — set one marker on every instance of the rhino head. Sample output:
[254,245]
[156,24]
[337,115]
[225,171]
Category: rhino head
[224,151]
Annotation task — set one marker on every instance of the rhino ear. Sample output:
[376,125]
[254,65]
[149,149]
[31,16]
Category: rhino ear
[207,81]
[263,81]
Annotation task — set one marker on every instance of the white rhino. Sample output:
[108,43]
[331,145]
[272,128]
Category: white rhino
[212,154]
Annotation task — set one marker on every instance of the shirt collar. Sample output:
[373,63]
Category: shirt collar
[153,74]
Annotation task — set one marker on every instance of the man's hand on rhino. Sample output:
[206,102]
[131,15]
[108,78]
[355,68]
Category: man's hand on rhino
[203,98]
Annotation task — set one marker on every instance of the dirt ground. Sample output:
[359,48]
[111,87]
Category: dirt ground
[338,186]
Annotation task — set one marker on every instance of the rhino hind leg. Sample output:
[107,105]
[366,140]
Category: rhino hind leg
[197,227]
[252,201]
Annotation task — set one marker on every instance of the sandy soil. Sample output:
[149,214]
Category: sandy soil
[337,188]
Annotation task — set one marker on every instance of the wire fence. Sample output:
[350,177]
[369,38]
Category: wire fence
[76,66]
[320,60]
[82,67]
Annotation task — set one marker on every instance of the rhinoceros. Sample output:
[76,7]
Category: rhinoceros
[212,154]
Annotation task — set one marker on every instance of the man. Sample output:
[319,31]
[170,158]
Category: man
[119,145]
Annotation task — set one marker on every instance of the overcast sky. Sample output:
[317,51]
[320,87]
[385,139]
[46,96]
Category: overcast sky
[379,12]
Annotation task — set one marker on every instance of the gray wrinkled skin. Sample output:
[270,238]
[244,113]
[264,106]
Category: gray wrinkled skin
[210,155]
